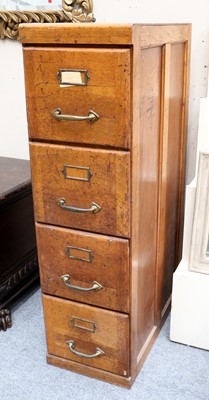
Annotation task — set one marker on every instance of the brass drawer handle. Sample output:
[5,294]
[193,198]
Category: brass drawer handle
[91,117]
[95,208]
[71,345]
[66,280]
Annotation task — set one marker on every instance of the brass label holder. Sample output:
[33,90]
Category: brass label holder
[73,77]
[83,324]
[81,172]
[87,255]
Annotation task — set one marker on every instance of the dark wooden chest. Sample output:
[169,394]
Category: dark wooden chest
[18,254]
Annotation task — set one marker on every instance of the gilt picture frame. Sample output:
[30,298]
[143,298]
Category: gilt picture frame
[68,11]
[199,251]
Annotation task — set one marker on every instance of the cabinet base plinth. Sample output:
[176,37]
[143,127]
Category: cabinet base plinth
[89,371]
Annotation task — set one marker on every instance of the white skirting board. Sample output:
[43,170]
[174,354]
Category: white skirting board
[190,308]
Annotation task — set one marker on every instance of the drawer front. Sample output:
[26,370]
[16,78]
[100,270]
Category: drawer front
[74,331]
[95,182]
[80,266]
[106,92]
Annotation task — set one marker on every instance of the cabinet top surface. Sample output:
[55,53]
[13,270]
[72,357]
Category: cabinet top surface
[14,176]
[103,34]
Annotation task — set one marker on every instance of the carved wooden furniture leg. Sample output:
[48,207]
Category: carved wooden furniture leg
[5,319]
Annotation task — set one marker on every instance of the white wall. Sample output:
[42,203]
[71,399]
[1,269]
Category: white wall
[13,125]
[13,129]
[203,135]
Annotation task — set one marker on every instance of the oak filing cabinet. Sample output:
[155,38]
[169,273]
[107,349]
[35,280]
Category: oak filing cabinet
[107,111]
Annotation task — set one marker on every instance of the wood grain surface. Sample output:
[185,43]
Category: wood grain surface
[111,334]
[109,187]
[109,266]
[107,93]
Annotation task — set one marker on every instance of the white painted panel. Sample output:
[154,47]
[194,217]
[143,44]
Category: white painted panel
[189,312]
[188,219]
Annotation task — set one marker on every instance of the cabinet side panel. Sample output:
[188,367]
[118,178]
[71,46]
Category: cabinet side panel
[170,193]
[148,190]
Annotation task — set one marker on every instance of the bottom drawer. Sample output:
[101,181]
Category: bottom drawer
[87,335]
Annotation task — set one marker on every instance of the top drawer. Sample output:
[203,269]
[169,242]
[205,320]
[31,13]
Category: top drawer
[103,87]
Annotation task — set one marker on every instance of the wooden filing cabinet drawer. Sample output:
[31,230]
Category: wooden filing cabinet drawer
[85,260]
[106,92]
[78,177]
[100,334]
